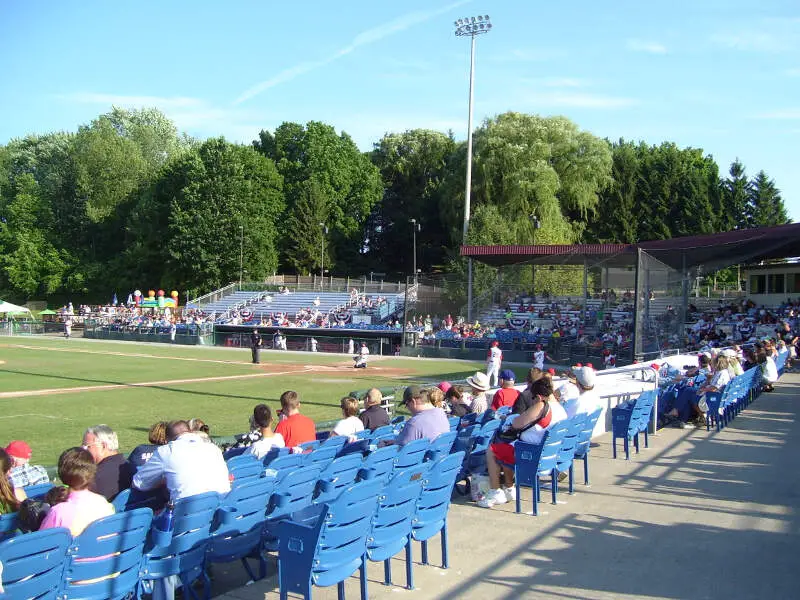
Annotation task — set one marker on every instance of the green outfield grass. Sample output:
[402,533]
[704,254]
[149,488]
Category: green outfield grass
[55,421]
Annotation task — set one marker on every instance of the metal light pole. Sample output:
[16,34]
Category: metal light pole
[536,225]
[472,27]
[241,254]
[322,255]
[414,226]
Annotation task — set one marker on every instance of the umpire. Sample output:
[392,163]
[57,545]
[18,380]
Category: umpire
[255,346]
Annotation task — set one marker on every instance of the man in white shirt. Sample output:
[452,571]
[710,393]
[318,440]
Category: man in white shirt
[187,465]
[589,400]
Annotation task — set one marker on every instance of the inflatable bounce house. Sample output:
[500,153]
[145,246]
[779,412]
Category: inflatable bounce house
[156,301]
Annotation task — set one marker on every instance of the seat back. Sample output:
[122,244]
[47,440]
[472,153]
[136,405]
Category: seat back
[8,525]
[240,459]
[441,446]
[192,521]
[308,446]
[243,508]
[33,564]
[566,451]
[38,490]
[272,454]
[469,419]
[647,400]
[411,454]
[323,456]
[585,438]
[531,460]
[245,468]
[335,441]
[379,463]
[338,475]
[292,492]
[282,465]
[434,500]
[397,502]
[486,416]
[104,560]
[454,422]
[384,432]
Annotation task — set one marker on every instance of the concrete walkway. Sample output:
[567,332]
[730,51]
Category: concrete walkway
[697,515]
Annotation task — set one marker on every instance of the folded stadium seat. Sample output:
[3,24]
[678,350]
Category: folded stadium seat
[584,444]
[33,564]
[239,523]
[37,491]
[411,454]
[625,420]
[103,561]
[185,554]
[433,505]
[325,544]
[566,452]
[391,525]
[322,457]
[532,461]
[379,463]
[338,475]
[441,446]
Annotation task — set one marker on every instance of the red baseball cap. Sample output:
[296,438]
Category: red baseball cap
[19,449]
[655,366]
[551,371]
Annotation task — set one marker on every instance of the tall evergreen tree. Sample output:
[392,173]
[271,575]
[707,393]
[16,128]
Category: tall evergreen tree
[765,205]
[735,195]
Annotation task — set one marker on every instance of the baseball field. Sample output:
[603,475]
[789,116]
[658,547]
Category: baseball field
[51,389]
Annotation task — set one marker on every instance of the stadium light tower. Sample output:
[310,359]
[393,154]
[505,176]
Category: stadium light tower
[324,229]
[470,27]
[415,227]
[241,254]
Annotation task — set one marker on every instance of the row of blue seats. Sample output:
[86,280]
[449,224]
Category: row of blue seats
[324,525]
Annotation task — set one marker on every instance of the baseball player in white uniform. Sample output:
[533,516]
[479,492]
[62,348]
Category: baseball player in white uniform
[493,361]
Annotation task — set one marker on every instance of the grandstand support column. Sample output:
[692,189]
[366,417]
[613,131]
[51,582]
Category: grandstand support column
[469,291]
[585,290]
[405,316]
[685,290]
[635,350]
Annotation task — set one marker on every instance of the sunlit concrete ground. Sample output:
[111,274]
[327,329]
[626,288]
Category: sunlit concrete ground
[697,515]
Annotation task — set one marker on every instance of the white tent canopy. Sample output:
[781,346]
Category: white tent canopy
[7,307]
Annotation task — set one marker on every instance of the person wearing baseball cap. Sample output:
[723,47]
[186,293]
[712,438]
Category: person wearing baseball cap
[426,422]
[506,395]
[22,472]
[589,400]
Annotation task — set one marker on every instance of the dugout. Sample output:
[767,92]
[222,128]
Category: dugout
[657,273]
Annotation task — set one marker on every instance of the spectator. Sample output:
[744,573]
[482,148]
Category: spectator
[480,385]
[200,428]
[436,396]
[351,424]
[262,418]
[187,465]
[426,421]
[526,399]
[295,428]
[76,506]
[22,473]
[568,391]
[457,401]
[157,436]
[588,400]
[114,472]
[530,426]
[374,415]
[10,496]
[506,395]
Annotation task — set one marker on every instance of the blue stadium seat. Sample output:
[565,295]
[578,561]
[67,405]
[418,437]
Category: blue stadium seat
[104,560]
[33,564]
[532,461]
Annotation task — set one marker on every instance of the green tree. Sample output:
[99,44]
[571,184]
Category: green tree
[413,166]
[344,176]
[29,264]
[204,197]
[618,199]
[152,131]
[765,205]
[735,195]
[307,236]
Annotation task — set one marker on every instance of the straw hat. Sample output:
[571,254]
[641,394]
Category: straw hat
[480,381]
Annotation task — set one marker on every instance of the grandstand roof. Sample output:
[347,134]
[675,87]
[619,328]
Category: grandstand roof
[713,251]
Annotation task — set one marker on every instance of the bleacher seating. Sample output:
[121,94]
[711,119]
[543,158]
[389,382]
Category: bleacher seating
[127,553]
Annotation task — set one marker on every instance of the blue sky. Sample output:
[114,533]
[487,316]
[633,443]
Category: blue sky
[722,75]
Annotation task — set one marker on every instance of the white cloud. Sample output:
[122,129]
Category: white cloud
[770,35]
[579,100]
[647,46]
[366,37]
[132,101]
[783,114]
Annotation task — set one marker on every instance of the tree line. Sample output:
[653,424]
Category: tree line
[128,201]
